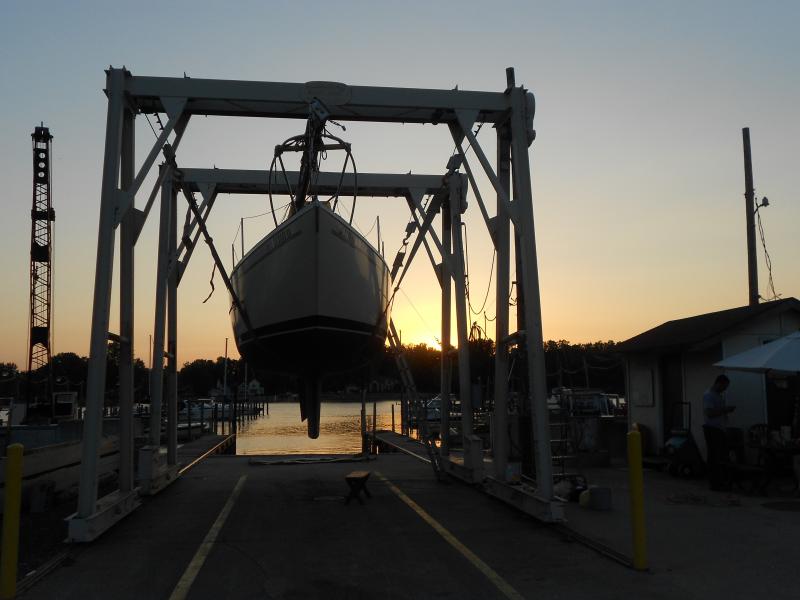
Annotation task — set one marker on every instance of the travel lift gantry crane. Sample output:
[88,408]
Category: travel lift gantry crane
[510,111]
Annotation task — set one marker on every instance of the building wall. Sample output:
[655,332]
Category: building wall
[699,374]
[747,390]
[643,397]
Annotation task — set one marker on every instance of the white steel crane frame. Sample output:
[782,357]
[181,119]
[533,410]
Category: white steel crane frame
[510,111]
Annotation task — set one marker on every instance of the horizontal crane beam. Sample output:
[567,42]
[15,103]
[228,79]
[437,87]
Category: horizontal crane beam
[383,185]
[290,100]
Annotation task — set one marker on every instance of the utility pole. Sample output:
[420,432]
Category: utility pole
[41,293]
[750,207]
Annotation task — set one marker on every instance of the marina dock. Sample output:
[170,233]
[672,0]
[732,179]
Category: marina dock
[43,530]
[231,529]
[240,527]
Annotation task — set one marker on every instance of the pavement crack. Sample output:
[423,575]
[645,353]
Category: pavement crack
[246,554]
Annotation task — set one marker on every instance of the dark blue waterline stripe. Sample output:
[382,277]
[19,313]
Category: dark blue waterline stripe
[316,322]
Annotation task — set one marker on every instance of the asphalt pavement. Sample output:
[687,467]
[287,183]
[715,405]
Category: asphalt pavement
[231,529]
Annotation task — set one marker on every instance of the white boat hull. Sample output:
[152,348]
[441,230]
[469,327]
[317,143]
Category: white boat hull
[317,297]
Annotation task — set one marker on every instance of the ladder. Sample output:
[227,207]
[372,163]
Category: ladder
[562,443]
[410,390]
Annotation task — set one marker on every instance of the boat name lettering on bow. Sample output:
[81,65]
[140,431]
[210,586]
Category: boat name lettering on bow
[278,240]
[348,237]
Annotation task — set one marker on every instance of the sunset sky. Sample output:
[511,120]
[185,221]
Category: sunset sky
[637,166]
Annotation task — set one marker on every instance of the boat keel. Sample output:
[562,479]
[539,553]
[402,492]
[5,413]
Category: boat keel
[310,401]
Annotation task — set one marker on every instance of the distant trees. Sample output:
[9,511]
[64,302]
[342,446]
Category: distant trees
[9,379]
[424,363]
[70,367]
[595,364]
[198,377]
[7,369]
[70,372]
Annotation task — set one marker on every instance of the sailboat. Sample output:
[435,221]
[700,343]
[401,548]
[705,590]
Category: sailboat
[314,293]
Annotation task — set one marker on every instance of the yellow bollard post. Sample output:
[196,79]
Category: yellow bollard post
[636,481]
[11,510]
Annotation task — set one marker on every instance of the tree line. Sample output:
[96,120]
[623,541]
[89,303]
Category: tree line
[595,365]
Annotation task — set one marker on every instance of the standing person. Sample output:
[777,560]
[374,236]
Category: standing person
[716,413]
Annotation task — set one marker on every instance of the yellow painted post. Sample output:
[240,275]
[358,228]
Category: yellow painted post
[11,510]
[636,481]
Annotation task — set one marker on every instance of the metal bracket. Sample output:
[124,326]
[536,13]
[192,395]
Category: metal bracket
[191,235]
[465,122]
[549,511]
[180,128]
[174,106]
[154,472]
[108,511]
[422,231]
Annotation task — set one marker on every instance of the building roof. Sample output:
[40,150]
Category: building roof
[683,333]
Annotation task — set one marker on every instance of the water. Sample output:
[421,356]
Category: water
[282,431]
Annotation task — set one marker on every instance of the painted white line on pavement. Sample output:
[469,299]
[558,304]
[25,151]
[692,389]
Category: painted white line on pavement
[190,574]
[501,584]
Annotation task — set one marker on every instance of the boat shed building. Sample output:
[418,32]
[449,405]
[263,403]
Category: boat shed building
[670,367]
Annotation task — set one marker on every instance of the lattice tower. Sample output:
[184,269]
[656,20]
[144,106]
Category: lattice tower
[41,274]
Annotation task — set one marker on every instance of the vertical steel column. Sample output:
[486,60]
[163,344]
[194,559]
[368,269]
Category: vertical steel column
[246,382]
[231,423]
[172,330]
[462,321]
[500,443]
[524,427]
[126,298]
[403,412]
[101,303]
[364,442]
[446,280]
[533,310]
[157,374]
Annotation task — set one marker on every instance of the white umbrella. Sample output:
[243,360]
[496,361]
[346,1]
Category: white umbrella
[781,356]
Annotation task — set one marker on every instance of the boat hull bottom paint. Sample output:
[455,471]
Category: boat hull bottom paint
[312,350]
[280,352]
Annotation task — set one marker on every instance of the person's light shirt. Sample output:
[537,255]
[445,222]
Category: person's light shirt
[714,401]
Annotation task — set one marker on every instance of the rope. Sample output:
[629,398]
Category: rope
[371,228]
[466,276]
[211,281]
[767,258]
[296,142]
[239,226]
[424,322]
[151,125]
